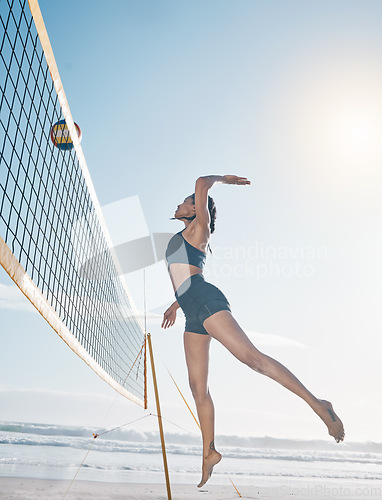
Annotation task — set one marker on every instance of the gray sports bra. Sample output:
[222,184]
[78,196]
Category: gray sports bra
[180,251]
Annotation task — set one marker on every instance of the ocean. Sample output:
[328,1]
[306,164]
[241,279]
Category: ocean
[127,455]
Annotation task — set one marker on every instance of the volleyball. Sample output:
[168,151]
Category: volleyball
[61,137]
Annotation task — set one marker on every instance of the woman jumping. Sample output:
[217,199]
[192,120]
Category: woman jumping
[208,314]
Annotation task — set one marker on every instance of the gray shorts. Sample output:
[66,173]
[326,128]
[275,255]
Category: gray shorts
[198,300]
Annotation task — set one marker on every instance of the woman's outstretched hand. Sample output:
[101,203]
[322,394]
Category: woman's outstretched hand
[169,317]
[234,179]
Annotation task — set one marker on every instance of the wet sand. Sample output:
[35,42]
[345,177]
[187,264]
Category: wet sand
[41,489]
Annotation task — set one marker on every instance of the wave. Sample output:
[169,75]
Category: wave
[185,468]
[83,444]
[130,435]
[116,446]
[126,452]
[146,437]
[147,442]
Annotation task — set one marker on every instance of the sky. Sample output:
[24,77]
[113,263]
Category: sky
[285,93]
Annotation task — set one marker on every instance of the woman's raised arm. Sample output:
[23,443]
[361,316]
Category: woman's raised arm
[202,186]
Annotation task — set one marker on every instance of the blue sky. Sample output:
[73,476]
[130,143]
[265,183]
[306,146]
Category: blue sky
[286,93]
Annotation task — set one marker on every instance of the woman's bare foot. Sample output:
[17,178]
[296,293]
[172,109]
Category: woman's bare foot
[209,462]
[331,420]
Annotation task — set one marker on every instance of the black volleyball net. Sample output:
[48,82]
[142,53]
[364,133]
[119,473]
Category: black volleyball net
[53,240]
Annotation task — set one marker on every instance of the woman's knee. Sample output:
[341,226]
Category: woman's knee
[199,391]
[255,360]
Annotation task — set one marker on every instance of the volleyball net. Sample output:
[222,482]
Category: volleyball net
[54,243]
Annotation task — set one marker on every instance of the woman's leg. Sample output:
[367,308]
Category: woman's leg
[223,327]
[196,347]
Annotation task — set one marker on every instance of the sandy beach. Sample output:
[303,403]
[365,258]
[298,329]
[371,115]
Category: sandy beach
[28,489]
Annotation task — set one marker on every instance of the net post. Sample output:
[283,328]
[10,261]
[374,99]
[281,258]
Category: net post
[159,417]
[145,375]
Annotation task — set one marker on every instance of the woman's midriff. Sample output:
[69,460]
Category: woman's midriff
[180,272]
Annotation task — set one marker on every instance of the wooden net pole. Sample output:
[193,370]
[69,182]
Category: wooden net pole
[159,418]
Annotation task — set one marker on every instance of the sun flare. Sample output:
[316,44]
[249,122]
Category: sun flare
[357,133]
